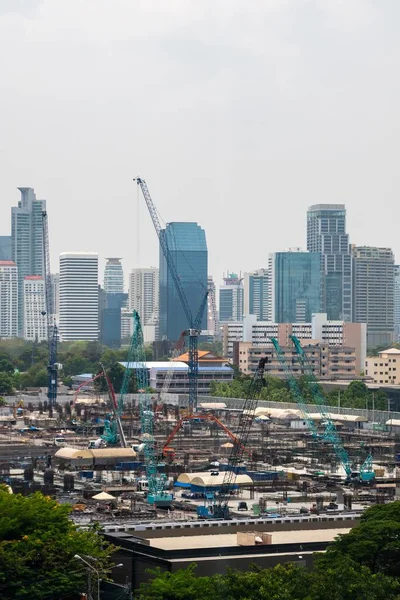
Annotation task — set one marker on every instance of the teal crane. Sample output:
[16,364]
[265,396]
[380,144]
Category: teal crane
[330,435]
[294,388]
[157,494]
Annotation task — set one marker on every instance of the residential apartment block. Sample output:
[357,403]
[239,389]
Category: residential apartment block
[384,368]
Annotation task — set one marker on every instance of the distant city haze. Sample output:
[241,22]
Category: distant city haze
[239,115]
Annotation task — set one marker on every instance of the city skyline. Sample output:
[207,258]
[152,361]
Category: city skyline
[308,138]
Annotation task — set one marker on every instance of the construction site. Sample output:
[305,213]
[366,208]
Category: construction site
[248,476]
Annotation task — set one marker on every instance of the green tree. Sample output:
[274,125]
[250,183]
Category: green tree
[37,547]
[6,366]
[6,384]
[375,542]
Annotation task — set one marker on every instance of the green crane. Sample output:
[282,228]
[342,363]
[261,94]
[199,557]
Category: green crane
[157,494]
[330,435]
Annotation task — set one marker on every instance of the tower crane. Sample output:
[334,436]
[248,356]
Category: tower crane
[194,330]
[330,435]
[52,330]
[220,509]
[156,481]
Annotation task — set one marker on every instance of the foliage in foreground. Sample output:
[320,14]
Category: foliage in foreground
[361,565]
[335,579]
[37,547]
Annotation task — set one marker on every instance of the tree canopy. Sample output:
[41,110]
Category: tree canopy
[37,547]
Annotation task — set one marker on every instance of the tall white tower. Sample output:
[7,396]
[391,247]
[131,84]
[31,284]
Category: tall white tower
[79,296]
[35,322]
[143,294]
[8,299]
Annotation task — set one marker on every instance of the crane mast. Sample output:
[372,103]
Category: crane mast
[52,330]
[220,509]
[330,435]
[194,330]
[157,495]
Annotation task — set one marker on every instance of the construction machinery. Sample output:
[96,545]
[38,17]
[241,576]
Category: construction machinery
[331,435]
[157,495]
[170,452]
[194,330]
[52,330]
[294,388]
[219,509]
[113,429]
[170,373]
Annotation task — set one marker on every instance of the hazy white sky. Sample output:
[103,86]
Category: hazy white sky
[239,114]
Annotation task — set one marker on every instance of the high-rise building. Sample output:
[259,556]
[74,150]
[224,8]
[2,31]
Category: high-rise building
[143,293]
[212,311]
[326,233]
[231,299]
[5,247]
[27,242]
[256,294]
[295,286]
[113,276]
[188,251]
[79,296]
[35,321]
[373,293]
[8,299]
[397,302]
[55,291]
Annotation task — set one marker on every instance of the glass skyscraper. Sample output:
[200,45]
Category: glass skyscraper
[326,233]
[295,286]
[188,251]
[27,242]
[5,247]
[113,276]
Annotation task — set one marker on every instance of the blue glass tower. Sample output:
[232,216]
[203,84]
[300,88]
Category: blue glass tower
[295,286]
[188,250]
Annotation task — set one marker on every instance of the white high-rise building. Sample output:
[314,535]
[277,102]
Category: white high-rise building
[8,299]
[27,242]
[143,294]
[397,302]
[79,296]
[55,290]
[35,320]
[113,276]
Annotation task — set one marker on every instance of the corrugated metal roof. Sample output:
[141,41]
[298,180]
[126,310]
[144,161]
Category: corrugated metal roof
[218,480]
[113,452]
[74,453]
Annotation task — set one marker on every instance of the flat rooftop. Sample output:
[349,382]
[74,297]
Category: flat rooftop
[230,539]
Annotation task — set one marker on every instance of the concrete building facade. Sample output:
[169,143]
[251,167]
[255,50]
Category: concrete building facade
[188,252]
[35,320]
[8,299]
[332,333]
[79,296]
[27,242]
[231,296]
[295,286]
[144,294]
[397,303]
[384,368]
[326,234]
[373,293]
[327,362]
[257,295]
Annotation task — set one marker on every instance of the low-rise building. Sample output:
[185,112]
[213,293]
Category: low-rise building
[327,362]
[179,384]
[384,368]
[331,333]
